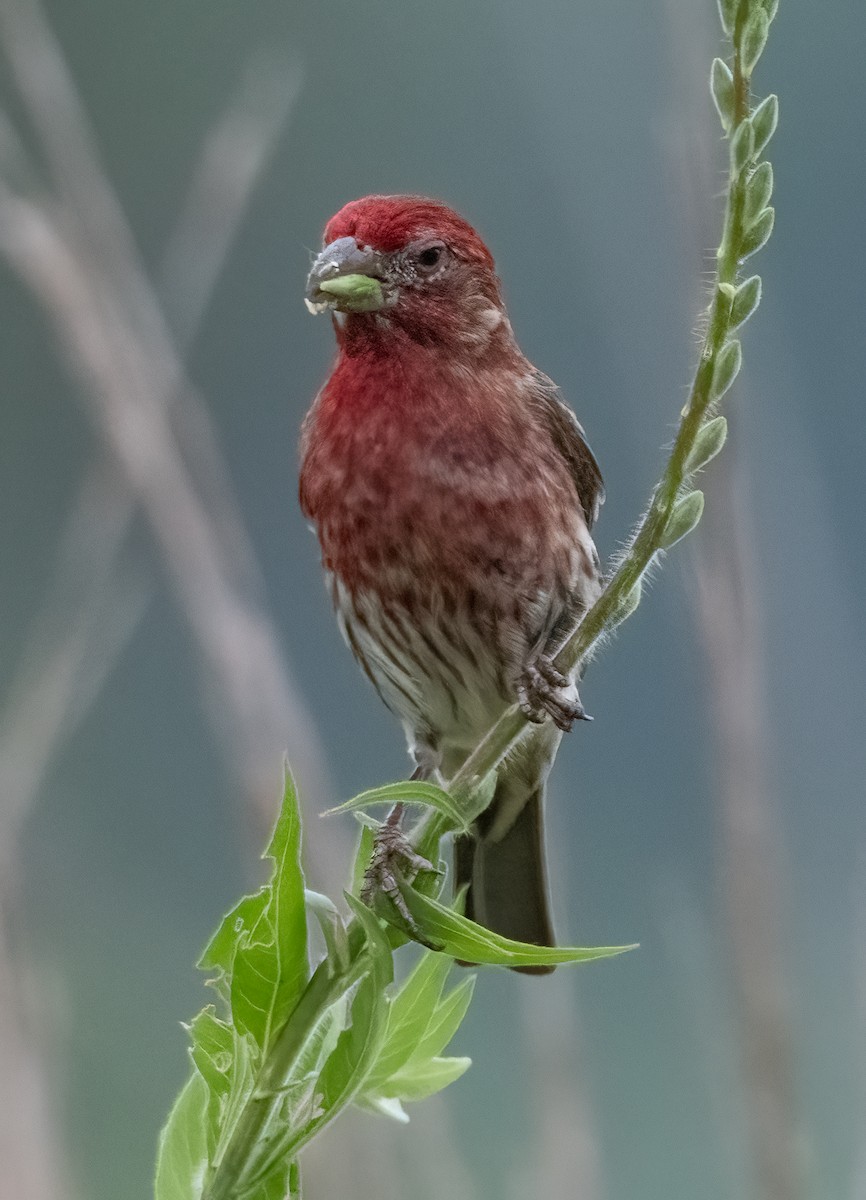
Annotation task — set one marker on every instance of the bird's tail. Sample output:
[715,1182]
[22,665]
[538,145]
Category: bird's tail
[507,876]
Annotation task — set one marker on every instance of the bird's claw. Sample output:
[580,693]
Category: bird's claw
[394,856]
[541,693]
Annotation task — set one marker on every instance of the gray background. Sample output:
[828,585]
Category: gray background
[580,139]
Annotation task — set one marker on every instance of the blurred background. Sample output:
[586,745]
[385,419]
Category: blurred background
[165,171]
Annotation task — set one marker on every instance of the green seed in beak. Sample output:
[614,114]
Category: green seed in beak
[354,293]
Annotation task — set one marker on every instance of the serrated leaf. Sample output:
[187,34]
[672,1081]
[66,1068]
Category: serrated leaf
[765,118]
[464,939]
[728,364]
[722,88]
[759,234]
[417,1081]
[260,949]
[211,1049]
[758,191]
[753,39]
[409,1015]
[219,952]
[685,516]
[410,791]
[707,445]
[288,910]
[746,300]
[182,1156]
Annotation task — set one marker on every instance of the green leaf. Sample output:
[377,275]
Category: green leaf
[212,1049]
[409,791]
[385,1106]
[259,951]
[727,368]
[722,88]
[261,946]
[765,118]
[417,1081]
[447,1019]
[463,939]
[410,1014]
[707,445]
[333,929]
[686,514]
[182,1156]
[246,1061]
[758,191]
[727,14]
[219,952]
[358,1044]
[742,147]
[746,300]
[361,862]
[759,234]
[288,910]
[771,7]
[753,39]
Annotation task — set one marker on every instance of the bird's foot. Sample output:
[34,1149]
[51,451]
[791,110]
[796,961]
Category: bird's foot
[543,691]
[394,856]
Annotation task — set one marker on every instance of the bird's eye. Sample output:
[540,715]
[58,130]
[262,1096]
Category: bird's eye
[430,257]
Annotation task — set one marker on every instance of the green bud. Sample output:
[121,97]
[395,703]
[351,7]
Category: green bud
[759,233]
[727,14]
[628,604]
[686,514]
[747,299]
[758,191]
[727,368]
[742,147]
[708,443]
[354,293]
[753,39]
[765,118]
[722,87]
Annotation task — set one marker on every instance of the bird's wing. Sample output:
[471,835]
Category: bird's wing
[570,441]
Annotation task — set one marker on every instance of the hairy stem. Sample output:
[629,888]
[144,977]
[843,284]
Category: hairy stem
[649,537]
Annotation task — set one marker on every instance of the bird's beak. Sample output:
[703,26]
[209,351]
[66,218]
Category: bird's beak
[345,277]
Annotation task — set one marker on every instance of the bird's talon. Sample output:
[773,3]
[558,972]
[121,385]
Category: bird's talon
[394,855]
[540,694]
[549,673]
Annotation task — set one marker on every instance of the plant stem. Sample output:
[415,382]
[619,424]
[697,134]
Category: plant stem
[324,989]
[648,539]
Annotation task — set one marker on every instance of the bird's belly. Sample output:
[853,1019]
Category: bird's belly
[442,673]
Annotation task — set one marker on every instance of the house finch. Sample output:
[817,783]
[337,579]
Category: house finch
[453,493]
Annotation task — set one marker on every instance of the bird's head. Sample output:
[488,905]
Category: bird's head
[410,265]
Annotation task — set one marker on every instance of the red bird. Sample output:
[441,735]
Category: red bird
[453,493]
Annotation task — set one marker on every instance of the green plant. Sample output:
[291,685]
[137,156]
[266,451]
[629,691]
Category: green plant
[290,1047]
